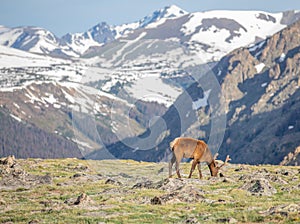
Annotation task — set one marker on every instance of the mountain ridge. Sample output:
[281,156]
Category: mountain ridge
[91,100]
[40,40]
[254,99]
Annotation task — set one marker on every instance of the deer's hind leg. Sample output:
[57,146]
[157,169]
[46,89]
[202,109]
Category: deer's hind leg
[171,165]
[178,157]
[177,167]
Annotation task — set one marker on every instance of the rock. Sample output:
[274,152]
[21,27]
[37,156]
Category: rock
[292,158]
[113,182]
[191,194]
[263,174]
[2,202]
[259,187]
[286,172]
[13,176]
[82,199]
[170,184]
[47,179]
[160,170]
[277,179]
[191,220]
[227,220]
[125,175]
[238,169]
[147,184]
[81,167]
[283,210]
[187,194]
[76,175]
[83,177]
[228,180]
[33,222]
[9,161]
[156,201]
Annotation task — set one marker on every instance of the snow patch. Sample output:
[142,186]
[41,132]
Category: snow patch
[16,118]
[255,47]
[260,67]
[83,144]
[264,84]
[16,105]
[202,102]
[50,99]
[57,106]
[282,57]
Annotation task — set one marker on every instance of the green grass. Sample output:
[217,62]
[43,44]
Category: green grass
[122,204]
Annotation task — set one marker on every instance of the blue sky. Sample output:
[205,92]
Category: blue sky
[63,16]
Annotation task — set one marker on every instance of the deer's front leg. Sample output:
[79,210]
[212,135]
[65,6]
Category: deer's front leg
[199,169]
[193,168]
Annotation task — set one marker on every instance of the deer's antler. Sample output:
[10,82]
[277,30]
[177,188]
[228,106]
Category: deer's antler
[215,156]
[226,160]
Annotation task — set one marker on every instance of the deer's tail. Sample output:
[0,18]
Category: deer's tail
[174,143]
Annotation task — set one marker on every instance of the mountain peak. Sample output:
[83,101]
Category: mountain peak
[167,12]
[173,11]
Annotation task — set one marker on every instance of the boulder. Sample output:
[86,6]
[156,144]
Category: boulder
[260,187]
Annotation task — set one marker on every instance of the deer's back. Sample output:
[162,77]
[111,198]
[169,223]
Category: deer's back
[186,146]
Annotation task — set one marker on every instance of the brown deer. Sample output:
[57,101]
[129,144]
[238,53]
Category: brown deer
[197,150]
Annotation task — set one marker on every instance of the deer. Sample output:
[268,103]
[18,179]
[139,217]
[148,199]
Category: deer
[184,147]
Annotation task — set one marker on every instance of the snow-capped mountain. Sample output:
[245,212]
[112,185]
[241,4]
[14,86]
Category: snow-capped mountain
[160,16]
[39,40]
[261,89]
[111,69]
[165,49]
[34,39]
[212,34]
[157,50]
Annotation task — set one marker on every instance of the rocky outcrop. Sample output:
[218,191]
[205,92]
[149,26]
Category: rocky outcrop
[14,176]
[293,158]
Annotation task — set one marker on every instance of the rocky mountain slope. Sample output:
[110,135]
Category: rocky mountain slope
[260,85]
[111,83]
[45,108]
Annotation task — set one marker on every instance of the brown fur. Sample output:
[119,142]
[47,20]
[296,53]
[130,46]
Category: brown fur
[193,149]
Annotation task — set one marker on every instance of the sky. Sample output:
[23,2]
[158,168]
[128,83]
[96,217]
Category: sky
[71,16]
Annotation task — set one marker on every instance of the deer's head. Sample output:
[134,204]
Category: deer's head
[213,166]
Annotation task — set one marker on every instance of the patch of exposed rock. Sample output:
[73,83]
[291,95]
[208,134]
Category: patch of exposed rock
[283,210]
[14,176]
[173,184]
[83,200]
[292,158]
[145,184]
[260,187]
[82,178]
[264,174]
[187,194]
[113,182]
[191,220]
